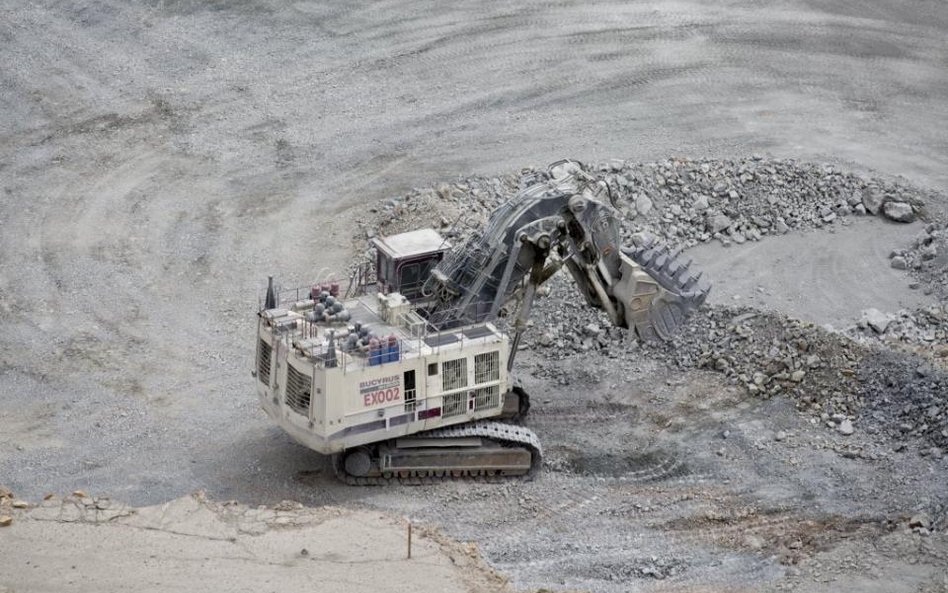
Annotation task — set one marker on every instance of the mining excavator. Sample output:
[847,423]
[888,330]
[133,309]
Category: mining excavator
[410,378]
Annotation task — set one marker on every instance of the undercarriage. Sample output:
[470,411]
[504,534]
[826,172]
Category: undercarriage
[475,450]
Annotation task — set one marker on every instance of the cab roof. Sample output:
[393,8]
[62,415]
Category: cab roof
[420,242]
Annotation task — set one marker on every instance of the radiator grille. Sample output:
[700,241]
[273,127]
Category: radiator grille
[486,397]
[486,367]
[298,388]
[453,374]
[263,362]
[453,404]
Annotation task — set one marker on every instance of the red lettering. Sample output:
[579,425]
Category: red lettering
[381,396]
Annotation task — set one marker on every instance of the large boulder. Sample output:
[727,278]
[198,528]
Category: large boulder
[899,211]
[643,204]
[872,200]
[718,223]
[877,320]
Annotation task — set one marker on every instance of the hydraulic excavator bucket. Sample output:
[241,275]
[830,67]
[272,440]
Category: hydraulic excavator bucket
[656,292]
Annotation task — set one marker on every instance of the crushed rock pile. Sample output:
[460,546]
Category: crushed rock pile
[907,397]
[927,259]
[924,331]
[837,381]
[684,202]
[696,201]
[840,383]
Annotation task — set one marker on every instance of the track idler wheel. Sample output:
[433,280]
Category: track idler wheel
[357,462]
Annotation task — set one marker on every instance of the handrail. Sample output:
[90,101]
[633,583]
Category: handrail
[414,328]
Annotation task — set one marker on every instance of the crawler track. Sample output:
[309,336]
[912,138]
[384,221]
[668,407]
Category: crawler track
[509,435]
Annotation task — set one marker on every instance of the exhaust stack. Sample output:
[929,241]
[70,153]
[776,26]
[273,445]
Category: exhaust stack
[271,302]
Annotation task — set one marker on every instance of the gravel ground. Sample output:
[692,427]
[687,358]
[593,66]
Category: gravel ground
[91,544]
[158,160]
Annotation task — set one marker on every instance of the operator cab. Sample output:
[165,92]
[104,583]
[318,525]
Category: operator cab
[403,262]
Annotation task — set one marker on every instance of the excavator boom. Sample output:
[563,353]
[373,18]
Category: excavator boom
[563,220]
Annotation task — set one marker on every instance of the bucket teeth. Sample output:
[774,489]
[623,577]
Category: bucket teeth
[657,253]
[680,273]
[692,281]
[672,260]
